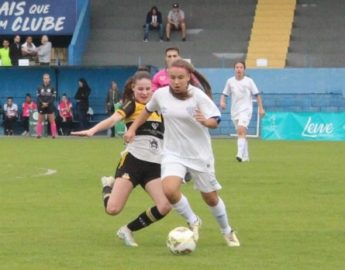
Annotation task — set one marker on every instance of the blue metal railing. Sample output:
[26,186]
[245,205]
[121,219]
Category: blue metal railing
[81,33]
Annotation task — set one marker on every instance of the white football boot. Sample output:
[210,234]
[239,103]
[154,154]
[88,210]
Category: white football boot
[126,236]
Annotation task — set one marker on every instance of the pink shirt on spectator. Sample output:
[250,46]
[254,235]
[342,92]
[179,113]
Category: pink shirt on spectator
[160,79]
[27,107]
[65,109]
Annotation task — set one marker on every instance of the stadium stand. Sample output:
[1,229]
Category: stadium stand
[218,32]
[270,34]
[318,34]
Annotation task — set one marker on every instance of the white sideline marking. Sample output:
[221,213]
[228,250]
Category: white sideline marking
[47,172]
[44,172]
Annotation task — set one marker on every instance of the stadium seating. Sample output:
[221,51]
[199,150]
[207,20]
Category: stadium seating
[270,34]
[318,34]
[218,32]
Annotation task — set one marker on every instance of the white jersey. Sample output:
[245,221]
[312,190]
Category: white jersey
[185,141]
[241,92]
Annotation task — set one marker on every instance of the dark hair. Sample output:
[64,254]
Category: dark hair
[128,92]
[240,62]
[28,95]
[172,49]
[144,68]
[84,82]
[197,79]
[10,97]
[153,8]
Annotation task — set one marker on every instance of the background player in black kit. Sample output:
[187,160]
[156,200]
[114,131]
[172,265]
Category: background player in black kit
[45,104]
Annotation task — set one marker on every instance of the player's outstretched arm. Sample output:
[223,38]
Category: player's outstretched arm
[103,125]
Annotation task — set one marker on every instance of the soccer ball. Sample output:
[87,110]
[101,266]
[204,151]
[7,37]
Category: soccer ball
[180,241]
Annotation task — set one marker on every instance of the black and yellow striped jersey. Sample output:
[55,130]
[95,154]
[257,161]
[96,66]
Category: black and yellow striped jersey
[153,125]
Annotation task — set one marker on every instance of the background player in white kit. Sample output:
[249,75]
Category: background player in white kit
[188,113]
[241,89]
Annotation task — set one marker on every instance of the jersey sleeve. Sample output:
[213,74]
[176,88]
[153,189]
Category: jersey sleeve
[207,106]
[153,104]
[52,97]
[169,15]
[227,88]
[127,109]
[253,88]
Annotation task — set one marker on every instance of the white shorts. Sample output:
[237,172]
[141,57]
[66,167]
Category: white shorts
[203,181]
[243,119]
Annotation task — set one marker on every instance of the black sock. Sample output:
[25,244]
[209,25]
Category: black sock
[106,194]
[145,219]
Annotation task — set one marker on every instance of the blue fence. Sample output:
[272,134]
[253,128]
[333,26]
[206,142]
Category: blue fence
[16,82]
[286,90]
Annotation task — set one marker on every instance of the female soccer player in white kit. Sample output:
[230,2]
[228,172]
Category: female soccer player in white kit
[188,113]
[241,89]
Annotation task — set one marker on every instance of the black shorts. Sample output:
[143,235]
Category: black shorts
[136,170]
[46,110]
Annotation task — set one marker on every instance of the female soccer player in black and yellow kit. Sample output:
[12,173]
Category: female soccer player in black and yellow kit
[140,161]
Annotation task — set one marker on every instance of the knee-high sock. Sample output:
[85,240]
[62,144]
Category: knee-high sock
[240,147]
[53,129]
[145,219]
[106,195]
[246,151]
[219,213]
[39,128]
[184,209]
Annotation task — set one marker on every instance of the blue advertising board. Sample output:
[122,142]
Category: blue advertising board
[303,126]
[37,17]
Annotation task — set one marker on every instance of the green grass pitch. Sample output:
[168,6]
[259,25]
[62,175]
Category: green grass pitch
[287,205]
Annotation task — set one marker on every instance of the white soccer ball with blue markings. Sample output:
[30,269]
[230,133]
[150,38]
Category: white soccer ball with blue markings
[180,241]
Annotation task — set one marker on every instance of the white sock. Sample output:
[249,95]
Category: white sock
[219,212]
[240,146]
[183,208]
[246,152]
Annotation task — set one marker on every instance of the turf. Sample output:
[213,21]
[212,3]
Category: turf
[287,205]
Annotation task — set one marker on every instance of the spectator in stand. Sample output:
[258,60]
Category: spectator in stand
[45,103]
[113,97]
[44,51]
[28,106]
[161,78]
[153,22]
[15,51]
[29,50]
[82,98]
[5,54]
[10,116]
[66,115]
[176,21]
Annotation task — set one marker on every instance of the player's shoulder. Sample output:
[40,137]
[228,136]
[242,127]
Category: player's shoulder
[231,80]
[160,73]
[161,91]
[249,79]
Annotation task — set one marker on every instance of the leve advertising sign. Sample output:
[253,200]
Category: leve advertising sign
[303,126]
